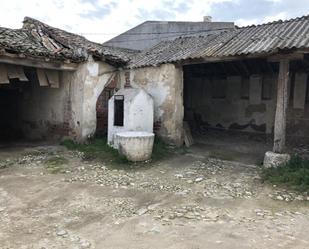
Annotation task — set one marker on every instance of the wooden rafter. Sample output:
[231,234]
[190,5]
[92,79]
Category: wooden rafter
[33,62]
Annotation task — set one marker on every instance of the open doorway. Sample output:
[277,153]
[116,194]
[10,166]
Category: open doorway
[31,108]
[230,106]
[10,112]
[102,106]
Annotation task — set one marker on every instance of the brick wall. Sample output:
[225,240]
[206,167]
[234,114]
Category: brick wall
[102,106]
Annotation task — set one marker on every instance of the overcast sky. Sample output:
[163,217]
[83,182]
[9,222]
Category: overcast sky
[100,20]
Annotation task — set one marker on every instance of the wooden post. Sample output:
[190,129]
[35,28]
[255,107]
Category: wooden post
[282,103]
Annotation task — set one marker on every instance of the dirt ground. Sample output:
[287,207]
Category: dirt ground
[53,198]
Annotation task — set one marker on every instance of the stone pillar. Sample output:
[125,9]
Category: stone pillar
[281,108]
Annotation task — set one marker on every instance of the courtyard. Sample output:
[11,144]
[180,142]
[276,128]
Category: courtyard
[52,197]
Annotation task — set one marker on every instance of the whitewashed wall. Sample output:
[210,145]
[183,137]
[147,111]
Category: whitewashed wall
[70,107]
[165,85]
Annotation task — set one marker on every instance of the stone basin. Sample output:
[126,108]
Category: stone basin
[135,145]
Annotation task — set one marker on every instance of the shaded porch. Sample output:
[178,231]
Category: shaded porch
[248,106]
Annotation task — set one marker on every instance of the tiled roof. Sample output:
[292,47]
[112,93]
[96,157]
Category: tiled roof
[78,44]
[37,39]
[20,41]
[260,39]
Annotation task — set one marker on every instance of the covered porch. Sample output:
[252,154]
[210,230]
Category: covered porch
[238,108]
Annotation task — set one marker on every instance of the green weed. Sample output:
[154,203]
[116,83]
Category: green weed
[294,174]
[98,149]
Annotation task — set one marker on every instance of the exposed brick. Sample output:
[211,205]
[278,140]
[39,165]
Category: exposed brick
[157,126]
[127,79]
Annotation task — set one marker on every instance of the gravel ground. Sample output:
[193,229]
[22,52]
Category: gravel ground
[52,198]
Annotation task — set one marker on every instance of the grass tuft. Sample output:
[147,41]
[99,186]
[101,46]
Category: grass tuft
[293,174]
[99,149]
[96,149]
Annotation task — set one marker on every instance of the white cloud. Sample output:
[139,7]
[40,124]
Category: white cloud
[279,16]
[246,22]
[66,14]
[75,15]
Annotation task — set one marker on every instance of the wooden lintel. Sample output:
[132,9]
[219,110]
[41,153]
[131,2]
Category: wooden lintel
[209,60]
[290,57]
[303,51]
[273,57]
[31,62]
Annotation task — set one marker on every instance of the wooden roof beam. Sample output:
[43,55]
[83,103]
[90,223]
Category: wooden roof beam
[290,57]
[33,62]
[273,57]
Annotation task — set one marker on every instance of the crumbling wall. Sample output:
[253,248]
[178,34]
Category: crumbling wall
[69,110]
[44,110]
[97,78]
[165,85]
[235,102]
[248,103]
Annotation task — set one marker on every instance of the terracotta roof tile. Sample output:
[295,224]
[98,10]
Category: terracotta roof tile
[37,39]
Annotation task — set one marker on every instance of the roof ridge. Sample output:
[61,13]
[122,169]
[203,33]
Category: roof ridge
[38,22]
[275,22]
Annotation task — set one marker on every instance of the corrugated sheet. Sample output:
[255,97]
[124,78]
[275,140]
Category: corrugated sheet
[265,38]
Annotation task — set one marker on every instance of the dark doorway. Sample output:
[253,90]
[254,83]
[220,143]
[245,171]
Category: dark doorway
[102,106]
[10,113]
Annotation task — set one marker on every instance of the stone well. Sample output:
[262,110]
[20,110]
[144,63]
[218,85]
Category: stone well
[134,113]
[135,145]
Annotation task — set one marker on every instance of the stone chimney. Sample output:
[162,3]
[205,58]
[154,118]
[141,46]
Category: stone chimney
[207,18]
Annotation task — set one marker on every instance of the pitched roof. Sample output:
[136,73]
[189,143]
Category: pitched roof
[37,39]
[20,41]
[150,33]
[78,44]
[256,39]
